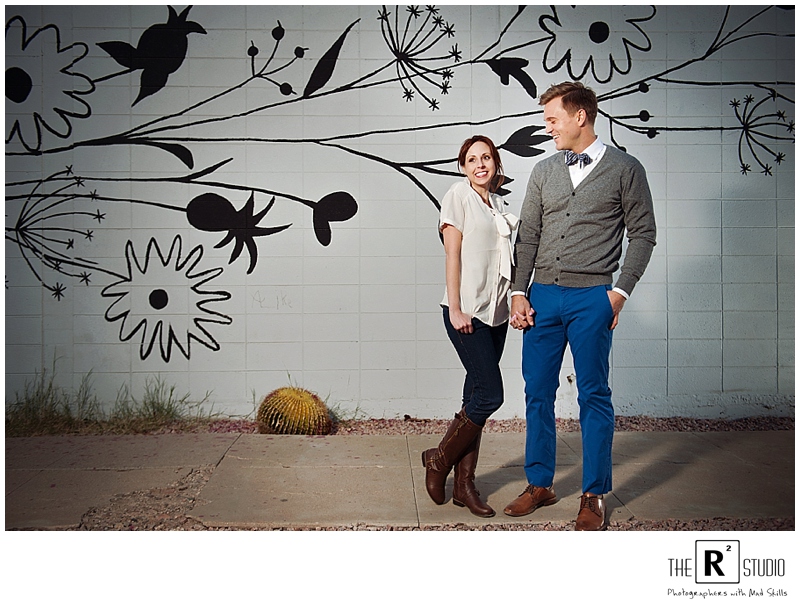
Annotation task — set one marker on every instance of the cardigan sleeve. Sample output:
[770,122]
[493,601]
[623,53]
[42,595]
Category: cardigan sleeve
[528,234]
[640,223]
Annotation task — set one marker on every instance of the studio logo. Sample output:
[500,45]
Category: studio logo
[717,562]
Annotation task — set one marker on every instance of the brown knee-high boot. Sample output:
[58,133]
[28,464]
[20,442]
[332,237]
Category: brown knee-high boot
[440,460]
[464,491]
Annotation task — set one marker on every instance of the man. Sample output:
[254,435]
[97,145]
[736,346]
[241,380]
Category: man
[576,209]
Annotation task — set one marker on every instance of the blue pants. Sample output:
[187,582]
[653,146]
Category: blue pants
[480,353]
[580,317]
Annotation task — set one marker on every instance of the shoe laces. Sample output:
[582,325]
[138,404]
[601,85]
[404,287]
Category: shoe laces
[591,503]
[530,489]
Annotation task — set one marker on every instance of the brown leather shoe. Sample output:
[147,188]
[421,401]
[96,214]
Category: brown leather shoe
[530,500]
[592,514]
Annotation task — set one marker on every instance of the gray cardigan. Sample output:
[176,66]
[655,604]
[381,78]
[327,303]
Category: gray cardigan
[573,236]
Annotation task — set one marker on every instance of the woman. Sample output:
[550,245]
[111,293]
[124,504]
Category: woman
[478,262]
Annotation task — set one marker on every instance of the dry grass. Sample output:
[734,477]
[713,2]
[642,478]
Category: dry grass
[44,408]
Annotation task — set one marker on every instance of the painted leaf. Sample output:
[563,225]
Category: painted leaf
[179,151]
[502,191]
[524,141]
[122,52]
[513,67]
[324,69]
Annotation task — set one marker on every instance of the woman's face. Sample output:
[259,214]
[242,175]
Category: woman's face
[479,166]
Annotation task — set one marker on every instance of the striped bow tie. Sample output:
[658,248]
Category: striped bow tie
[572,158]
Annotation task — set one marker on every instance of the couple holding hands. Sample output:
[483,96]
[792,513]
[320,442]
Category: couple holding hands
[578,205]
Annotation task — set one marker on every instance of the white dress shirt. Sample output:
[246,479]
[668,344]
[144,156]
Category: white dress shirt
[486,251]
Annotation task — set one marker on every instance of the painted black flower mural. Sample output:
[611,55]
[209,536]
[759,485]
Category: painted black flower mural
[162,300]
[195,154]
[755,134]
[586,44]
[44,90]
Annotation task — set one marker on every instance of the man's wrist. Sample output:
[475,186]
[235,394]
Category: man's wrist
[622,292]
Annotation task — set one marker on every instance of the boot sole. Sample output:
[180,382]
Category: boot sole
[488,515]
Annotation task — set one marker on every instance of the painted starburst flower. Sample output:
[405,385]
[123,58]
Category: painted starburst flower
[162,300]
[410,38]
[584,40]
[43,90]
[762,128]
[45,218]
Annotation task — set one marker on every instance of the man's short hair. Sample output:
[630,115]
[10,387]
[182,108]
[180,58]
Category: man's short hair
[574,96]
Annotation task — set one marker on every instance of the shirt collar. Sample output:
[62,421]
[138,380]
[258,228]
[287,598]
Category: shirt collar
[492,196]
[595,149]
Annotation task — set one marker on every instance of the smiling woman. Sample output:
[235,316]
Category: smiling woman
[478,267]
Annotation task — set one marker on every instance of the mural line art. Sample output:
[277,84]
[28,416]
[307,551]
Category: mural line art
[52,220]
[149,301]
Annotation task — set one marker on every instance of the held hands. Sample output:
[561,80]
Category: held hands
[461,321]
[521,312]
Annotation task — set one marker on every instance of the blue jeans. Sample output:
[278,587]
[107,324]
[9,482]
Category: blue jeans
[580,317]
[480,353]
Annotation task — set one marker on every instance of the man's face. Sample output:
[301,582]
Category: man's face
[564,129]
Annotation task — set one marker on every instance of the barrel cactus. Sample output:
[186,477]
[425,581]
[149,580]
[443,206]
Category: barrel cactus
[293,410]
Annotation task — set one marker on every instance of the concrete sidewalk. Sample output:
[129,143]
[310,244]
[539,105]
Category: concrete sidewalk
[278,481]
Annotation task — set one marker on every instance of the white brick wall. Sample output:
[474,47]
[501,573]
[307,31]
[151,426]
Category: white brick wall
[708,332]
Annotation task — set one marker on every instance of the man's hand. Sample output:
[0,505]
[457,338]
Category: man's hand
[617,301]
[521,312]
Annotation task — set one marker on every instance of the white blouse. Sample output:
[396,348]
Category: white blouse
[486,251]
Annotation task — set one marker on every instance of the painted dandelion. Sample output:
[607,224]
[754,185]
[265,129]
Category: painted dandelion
[55,217]
[761,130]
[409,37]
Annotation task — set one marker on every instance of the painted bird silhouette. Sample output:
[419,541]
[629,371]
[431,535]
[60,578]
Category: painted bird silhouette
[159,53]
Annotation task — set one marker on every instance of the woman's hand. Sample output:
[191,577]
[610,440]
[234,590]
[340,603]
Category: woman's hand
[461,321]
[521,312]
